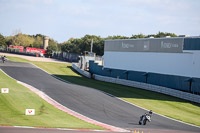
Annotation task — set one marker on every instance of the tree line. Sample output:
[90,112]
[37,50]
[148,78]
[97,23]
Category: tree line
[73,45]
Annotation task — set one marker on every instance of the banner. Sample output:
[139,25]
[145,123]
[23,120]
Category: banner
[166,45]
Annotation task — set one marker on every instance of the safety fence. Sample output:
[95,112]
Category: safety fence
[69,57]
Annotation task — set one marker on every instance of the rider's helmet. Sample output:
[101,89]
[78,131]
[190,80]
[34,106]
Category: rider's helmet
[150,112]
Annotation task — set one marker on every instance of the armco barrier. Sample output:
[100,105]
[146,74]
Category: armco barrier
[82,72]
[155,88]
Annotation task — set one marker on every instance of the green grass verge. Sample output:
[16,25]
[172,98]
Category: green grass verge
[19,98]
[166,105]
[17,59]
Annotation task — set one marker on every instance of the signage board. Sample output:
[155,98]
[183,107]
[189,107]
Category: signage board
[167,45]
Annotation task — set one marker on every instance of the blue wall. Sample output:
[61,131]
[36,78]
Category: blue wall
[170,81]
[136,76]
[196,85]
[191,44]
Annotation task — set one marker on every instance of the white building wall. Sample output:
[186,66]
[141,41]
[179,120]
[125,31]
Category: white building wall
[181,64]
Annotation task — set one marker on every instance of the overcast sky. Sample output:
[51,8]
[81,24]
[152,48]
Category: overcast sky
[63,19]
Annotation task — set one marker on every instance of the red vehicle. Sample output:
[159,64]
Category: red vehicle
[21,49]
[35,50]
[28,50]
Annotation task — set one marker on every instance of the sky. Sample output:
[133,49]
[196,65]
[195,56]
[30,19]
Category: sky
[65,19]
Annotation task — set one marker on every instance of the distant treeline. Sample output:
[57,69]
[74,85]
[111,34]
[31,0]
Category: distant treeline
[73,45]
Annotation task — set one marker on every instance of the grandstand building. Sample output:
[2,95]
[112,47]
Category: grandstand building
[169,62]
[173,56]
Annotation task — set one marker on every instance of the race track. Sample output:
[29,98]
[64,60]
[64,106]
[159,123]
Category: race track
[88,101]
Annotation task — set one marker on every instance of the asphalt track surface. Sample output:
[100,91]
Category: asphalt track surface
[88,101]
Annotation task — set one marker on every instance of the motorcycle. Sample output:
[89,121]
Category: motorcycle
[144,119]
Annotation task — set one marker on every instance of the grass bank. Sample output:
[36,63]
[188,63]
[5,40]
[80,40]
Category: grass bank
[19,98]
[166,105]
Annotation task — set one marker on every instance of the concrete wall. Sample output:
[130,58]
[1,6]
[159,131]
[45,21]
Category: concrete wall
[182,64]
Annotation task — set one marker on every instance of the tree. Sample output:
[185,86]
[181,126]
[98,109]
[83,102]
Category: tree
[98,44]
[138,36]
[53,47]
[20,40]
[74,45]
[50,50]
[2,41]
[164,34]
[38,42]
[79,46]
[53,44]
[116,37]
[71,46]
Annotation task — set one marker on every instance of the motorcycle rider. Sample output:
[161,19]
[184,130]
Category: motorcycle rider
[3,58]
[146,114]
